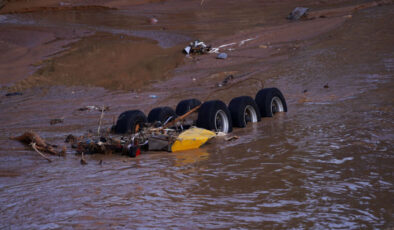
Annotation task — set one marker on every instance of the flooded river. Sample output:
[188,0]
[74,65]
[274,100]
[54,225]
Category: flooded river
[325,164]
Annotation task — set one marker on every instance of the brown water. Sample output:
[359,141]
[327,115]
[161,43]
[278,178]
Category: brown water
[326,164]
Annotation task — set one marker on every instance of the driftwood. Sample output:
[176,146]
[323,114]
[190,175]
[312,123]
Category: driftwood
[101,118]
[34,146]
[38,144]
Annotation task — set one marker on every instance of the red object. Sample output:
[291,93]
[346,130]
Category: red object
[138,152]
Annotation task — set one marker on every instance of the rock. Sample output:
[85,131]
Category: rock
[326,86]
[298,13]
[56,121]
[222,56]
[13,94]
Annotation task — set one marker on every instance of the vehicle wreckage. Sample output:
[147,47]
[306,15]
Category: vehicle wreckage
[191,125]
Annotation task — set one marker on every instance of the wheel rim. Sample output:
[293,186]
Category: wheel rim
[221,122]
[276,105]
[250,114]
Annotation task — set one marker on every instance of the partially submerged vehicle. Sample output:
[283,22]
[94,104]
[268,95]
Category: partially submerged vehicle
[191,125]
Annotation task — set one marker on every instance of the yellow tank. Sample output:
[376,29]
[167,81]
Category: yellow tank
[192,138]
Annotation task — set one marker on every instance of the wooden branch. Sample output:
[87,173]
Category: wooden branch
[180,118]
[101,118]
[34,146]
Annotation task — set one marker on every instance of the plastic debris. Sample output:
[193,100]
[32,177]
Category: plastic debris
[64,4]
[222,56]
[221,134]
[153,20]
[93,107]
[187,49]
[298,13]
[192,138]
[246,40]
[197,47]
[153,96]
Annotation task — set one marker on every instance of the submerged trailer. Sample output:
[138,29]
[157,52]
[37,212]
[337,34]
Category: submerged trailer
[167,130]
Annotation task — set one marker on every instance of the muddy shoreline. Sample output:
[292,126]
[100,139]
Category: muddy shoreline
[327,163]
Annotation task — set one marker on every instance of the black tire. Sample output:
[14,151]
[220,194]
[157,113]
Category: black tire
[270,101]
[186,105]
[129,121]
[212,112]
[161,114]
[243,110]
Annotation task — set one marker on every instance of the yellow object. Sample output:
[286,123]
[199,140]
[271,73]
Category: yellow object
[192,138]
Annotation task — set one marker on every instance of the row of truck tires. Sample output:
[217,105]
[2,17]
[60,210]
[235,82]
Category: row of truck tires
[212,115]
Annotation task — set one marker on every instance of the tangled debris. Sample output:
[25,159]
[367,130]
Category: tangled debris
[197,47]
[147,136]
[103,145]
[39,145]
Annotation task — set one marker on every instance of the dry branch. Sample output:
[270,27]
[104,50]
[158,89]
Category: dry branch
[30,138]
[33,145]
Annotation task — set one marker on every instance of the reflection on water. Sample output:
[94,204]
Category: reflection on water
[190,157]
[326,164]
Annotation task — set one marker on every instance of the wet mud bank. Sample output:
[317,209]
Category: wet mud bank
[326,163]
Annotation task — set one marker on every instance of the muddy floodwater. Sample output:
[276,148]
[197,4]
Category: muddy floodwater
[327,163]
